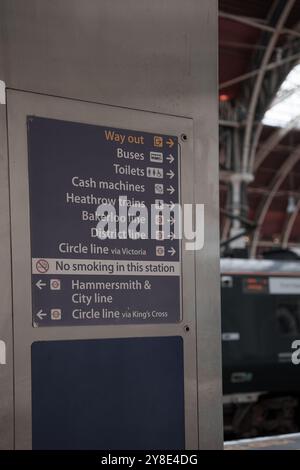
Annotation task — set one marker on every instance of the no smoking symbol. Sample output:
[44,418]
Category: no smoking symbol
[42,266]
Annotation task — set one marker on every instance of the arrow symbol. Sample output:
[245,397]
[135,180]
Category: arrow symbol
[170,158]
[172,205]
[171,174]
[170,142]
[40,284]
[171,220]
[172,251]
[170,189]
[41,315]
[171,236]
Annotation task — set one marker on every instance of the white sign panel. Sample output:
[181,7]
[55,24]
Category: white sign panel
[284,285]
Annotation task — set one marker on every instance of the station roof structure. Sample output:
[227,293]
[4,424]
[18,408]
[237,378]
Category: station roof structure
[259,46]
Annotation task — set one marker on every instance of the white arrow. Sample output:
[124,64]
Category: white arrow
[171,220]
[171,174]
[171,190]
[40,284]
[170,158]
[172,205]
[172,236]
[40,314]
[170,143]
[172,251]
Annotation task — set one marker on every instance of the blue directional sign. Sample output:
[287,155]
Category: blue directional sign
[99,200]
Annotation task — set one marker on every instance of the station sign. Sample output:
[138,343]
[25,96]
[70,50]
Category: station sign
[79,277]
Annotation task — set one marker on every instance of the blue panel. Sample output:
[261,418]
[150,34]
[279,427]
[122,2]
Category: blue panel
[73,168]
[108,394]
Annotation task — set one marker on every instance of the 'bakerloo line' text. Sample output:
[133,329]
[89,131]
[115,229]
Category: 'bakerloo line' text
[185,221]
[134,222]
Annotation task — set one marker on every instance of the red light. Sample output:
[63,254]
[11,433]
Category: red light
[224,98]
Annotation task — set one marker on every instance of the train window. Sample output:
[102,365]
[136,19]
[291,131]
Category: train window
[227,281]
[288,317]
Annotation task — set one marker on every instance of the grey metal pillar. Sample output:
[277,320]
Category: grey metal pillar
[158,57]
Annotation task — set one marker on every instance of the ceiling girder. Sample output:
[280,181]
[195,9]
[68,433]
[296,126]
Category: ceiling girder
[277,181]
[259,82]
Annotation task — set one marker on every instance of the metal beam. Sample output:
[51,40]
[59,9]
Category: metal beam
[274,186]
[240,45]
[246,76]
[244,20]
[239,235]
[259,81]
[282,148]
[271,244]
[257,133]
[268,244]
[246,222]
[256,23]
[289,224]
[264,191]
[226,229]
[226,123]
